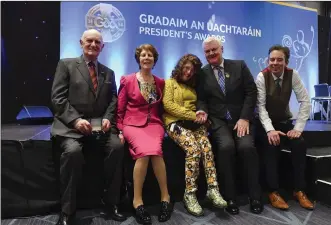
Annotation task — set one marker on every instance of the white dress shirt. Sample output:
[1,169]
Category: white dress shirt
[301,95]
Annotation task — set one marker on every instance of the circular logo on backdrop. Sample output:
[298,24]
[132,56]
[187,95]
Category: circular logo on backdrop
[107,19]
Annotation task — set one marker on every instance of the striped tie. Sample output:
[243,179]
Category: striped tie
[91,68]
[221,82]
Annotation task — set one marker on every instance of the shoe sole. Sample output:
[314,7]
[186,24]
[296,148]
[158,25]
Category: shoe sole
[310,209]
[192,213]
[232,212]
[118,220]
[162,221]
[142,222]
[218,206]
[283,209]
[256,212]
[168,218]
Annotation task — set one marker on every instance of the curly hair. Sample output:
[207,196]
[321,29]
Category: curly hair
[177,71]
[147,47]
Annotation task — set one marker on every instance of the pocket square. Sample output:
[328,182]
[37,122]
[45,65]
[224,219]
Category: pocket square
[107,82]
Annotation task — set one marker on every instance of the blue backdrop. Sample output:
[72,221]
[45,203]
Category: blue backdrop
[247,30]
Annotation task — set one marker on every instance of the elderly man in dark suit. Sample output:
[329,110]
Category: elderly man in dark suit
[227,97]
[84,91]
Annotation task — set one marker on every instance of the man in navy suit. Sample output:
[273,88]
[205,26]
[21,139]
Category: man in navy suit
[83,91]
[227,97]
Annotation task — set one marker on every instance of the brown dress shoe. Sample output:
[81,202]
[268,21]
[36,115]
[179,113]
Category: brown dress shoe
[277,201]
[303,200]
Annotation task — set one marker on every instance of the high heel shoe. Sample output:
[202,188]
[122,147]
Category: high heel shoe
[165,211]
[142,216]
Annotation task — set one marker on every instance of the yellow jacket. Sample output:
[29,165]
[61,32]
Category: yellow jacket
[179,101]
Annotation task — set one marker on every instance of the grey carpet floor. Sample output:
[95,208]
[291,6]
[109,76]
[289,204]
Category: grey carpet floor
[270,216]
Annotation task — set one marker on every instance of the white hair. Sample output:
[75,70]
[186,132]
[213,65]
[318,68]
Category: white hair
[211,39]
[91,31]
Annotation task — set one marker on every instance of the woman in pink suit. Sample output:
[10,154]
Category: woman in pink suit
[140,124]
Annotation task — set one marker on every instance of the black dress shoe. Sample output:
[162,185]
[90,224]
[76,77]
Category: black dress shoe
[232,207]
[142,216]
[165,211]
[114,214]
[64,219]
[256,206]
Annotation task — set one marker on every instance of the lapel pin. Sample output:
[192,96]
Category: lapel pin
[227,75]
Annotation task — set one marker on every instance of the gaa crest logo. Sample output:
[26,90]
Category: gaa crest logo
[107,19]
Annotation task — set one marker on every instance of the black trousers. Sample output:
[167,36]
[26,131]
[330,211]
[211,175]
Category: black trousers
[270,155]
[228,146]
[72,160]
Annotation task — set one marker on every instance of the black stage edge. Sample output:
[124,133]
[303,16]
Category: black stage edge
[318,170]
[30,185]
[317,133]
[29,182]
[323,191]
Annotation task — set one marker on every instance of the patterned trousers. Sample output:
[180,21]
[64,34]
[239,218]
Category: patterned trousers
[196,145]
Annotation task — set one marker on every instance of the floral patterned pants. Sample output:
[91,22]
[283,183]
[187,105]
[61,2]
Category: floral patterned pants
[196,145]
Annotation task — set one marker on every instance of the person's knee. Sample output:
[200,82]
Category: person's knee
[143,160]
[246,146]
[73,150]
[227,148]
[298,144]
[115,148]
[119,149]
[298,141]
[157,161]
[193,152]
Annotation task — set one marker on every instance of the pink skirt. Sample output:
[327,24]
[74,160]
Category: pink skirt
[144,141]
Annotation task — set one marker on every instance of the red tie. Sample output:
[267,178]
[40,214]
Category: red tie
[91,68]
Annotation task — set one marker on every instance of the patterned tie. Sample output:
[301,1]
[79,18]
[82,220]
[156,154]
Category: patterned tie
[278,87]
[91,68]
[221,82]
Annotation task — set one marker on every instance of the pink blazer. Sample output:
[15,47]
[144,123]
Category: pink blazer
[132,108]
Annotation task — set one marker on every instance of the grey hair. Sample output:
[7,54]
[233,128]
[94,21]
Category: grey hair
[91,31]
[211,39]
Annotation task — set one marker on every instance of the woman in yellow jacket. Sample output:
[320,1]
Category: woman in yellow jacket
[183,125]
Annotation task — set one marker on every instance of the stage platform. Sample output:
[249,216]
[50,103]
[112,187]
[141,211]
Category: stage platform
[30,185]
[314,133]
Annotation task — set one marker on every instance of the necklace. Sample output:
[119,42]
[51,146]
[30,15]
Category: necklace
[149,80]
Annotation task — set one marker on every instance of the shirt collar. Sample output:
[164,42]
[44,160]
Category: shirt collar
[221,65]
[87,61]
[281,77]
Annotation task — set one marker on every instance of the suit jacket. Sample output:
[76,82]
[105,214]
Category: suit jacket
[73,96]
[241,93]
[133,109]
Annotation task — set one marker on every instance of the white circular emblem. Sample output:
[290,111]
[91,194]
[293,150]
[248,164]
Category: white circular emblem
[107,19]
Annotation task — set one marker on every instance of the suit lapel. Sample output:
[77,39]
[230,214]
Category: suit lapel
[137,91]
[82,68]
[158,88]
[101,77]
[227,74]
